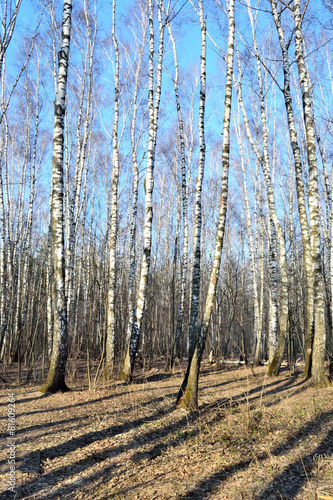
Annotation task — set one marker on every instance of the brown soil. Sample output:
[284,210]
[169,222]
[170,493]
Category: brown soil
[253,438]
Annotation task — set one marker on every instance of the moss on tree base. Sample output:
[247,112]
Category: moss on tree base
[55,381]
[321,383]
[188,394]
[189,401]
[124,376]
[273,369]
[126,370]
[54,387]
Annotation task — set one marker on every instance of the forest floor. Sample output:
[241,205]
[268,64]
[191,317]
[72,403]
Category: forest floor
[252,438]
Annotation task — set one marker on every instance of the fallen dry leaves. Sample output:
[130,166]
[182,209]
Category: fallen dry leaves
[253,438]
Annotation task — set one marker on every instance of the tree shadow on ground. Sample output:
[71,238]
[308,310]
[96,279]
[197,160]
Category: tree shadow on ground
[108,452]
[123,411]
[247,396]
[283,482]
[87,439]
[75,444]
[155,377]
[45,425]
[18,401]
[223,384]
[290,481]
[81,404]
[157,437]
[77,405]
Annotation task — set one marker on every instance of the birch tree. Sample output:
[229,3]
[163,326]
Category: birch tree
[299,189]
[275,362]
[74,191]
[56,377]
[135,183]
[254,269]
[183,281]
[197,229]
[9,12]
[319,340]
[264,161]
[188,393]
[110,329]
[154,106]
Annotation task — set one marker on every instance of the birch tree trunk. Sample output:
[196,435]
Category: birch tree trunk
[275,363]
[56,377]
[327,250]
[2,263]
[28,231]
[273,258]
[254,268]
[273,299]
[74,197]
[129,360]
[111,320]
[133,227]
[319,340]
[4,228]
[195,284]
[188,393]
[181,300]
[301,199]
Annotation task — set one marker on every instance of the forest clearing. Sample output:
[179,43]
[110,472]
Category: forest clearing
[166,194]
[253,437]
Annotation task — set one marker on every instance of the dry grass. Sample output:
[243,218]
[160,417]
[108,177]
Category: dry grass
[253,438]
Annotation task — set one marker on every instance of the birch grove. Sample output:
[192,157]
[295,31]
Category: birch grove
[173,205]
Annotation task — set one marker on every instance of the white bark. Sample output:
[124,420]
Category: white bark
[111,320]
[301,198]
[135,194]
[319,341]
[195,283]
[182,294]
[154,106]
[188,392]
[56,376]
[74,199]
[254,268]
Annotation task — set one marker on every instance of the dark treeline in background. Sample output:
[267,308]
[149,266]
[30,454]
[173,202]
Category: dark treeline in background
[120,159]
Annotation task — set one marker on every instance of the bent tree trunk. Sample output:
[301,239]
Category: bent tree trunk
[56,377]
[188,393]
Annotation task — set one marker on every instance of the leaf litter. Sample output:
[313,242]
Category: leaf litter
[252,438]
